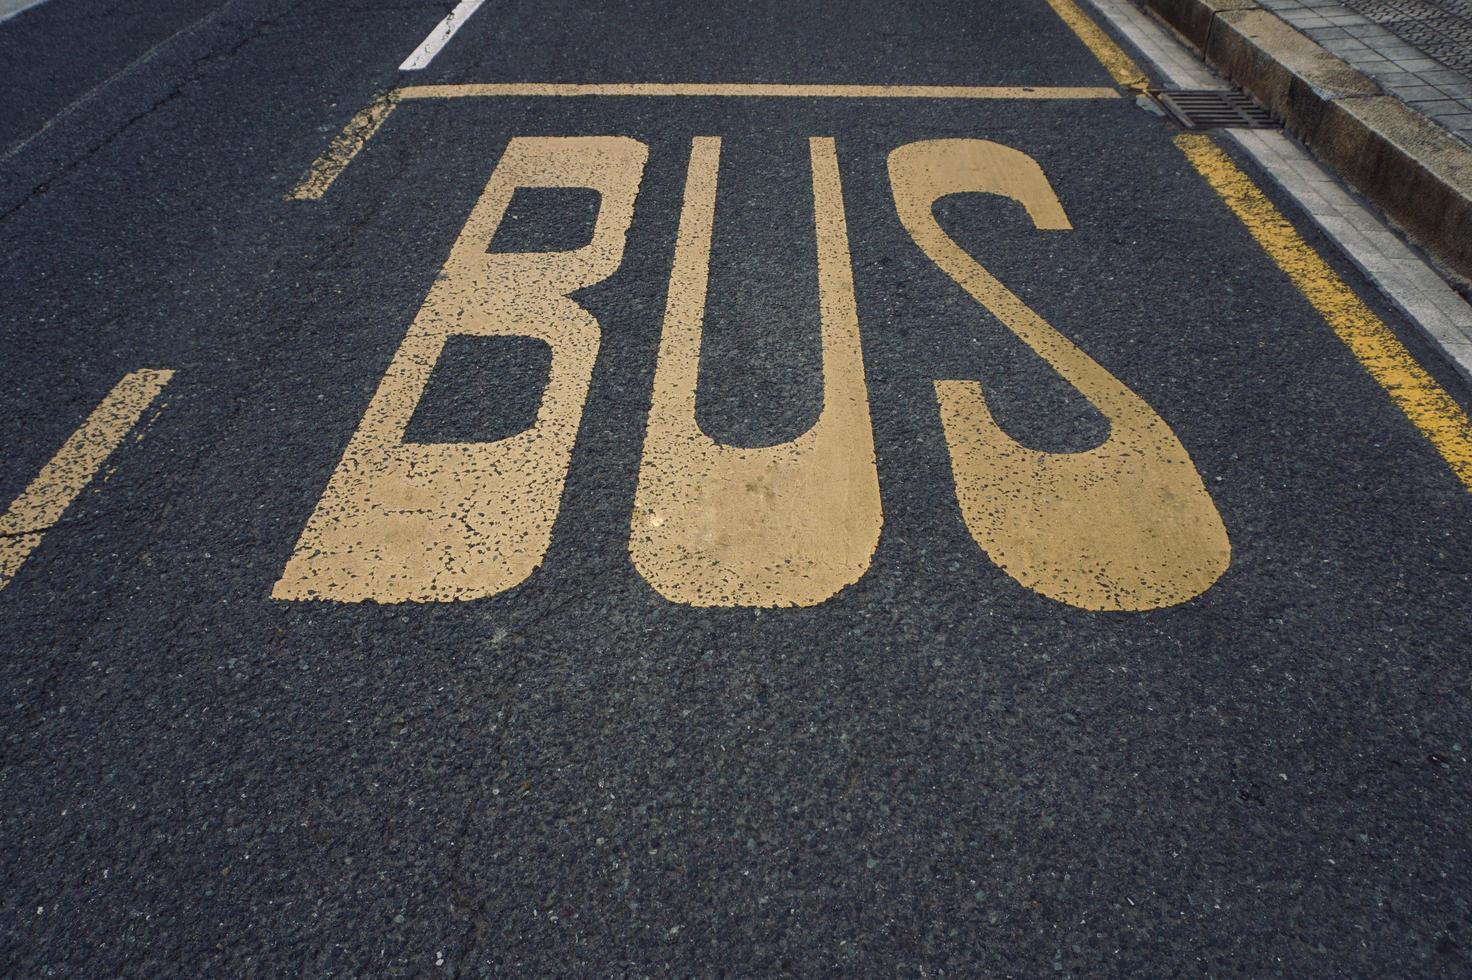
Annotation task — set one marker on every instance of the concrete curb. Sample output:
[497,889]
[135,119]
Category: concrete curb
[1407,165]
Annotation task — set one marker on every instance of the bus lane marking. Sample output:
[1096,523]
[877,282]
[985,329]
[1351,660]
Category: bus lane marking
[1126,526]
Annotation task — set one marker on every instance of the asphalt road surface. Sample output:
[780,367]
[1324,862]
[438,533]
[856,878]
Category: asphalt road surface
[563,533]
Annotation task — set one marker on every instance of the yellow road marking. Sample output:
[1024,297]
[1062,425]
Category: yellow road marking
[1121,66]
[330,165]
[340,152]
[75,464]
[749,90]
[1126,525]
[1428,406]
[786,525]
[407,522]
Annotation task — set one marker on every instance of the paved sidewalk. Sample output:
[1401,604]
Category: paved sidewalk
[1419,50]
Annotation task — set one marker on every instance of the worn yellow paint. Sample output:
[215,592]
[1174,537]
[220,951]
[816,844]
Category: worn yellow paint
[785,525]
[403,522]
[1121,66]
[1428,406]
[751,90]
[340,152]
[1127,525]
[75,465]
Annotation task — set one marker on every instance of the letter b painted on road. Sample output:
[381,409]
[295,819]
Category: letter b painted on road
[404,522]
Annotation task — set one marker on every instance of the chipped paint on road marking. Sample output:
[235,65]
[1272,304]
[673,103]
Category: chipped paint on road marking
[74,466]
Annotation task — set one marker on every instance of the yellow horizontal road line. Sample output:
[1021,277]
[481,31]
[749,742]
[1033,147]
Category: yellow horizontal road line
[753,90]
[355,135]
[1428,406]
[75,464]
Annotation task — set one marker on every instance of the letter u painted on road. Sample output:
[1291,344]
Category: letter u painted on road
[1127,525]
[786,525]
[422,523]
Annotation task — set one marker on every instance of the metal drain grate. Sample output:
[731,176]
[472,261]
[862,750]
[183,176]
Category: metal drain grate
[1214,108]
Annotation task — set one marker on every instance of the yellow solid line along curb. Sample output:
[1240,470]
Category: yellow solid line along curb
[1428,406]
[1416,393]
[1121,66]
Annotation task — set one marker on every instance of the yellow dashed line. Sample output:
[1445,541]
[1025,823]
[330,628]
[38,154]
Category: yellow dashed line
[1416,393]
[340,152]
[1121,66]
[75,465]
